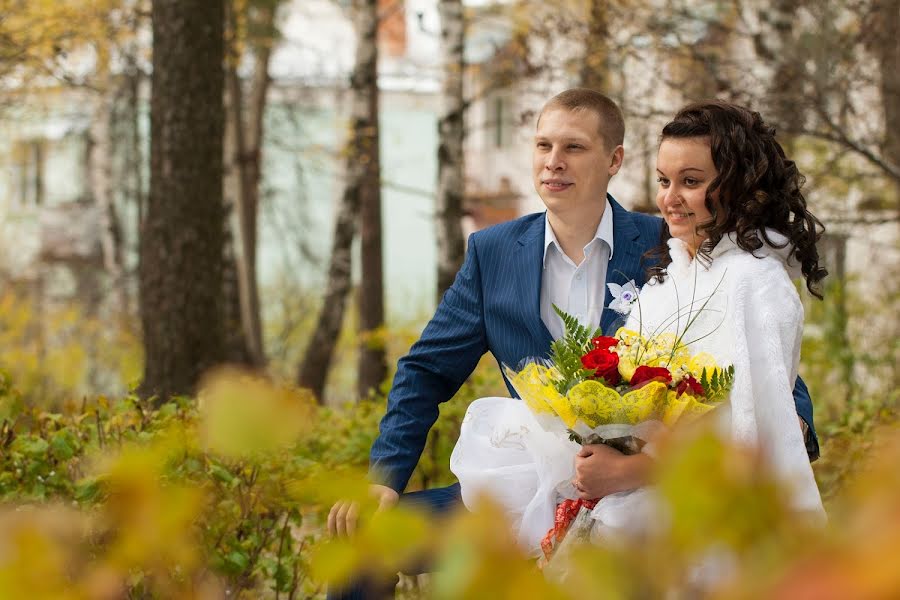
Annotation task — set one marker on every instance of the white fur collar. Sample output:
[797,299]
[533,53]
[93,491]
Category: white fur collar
[682,261]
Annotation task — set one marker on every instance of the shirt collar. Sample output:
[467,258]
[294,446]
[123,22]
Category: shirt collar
[604,232]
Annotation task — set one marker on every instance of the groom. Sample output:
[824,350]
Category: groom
[501,301]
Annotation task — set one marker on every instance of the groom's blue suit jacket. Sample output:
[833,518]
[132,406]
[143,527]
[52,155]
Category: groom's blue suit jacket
[494,306]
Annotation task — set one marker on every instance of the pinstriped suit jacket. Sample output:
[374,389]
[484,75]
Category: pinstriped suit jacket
[492,306]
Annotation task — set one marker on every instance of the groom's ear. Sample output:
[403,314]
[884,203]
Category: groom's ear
[618,155]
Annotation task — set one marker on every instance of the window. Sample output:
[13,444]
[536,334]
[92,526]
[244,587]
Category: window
[501,120]
[28,172]
[48,171]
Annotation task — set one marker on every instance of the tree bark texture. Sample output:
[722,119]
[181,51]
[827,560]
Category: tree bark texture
[182,242]
[362,166]
[372,357]
[451,135]
[887,50]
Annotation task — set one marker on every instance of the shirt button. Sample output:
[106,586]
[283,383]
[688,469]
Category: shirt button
[578,277]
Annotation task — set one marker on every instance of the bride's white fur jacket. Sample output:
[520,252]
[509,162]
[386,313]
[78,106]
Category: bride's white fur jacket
[753,320]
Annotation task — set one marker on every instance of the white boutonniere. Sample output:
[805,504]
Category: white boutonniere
[624,296]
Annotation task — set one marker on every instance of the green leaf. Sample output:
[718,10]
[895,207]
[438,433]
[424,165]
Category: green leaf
[61,445]
[282,577]
[87,491]
[237,561]
[31,446]
[222,474]
[167,410]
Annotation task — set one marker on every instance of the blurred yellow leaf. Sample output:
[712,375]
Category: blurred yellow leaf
[336,561]
[245,416]
[479,558]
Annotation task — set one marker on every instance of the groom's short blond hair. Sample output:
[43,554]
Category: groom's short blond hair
[612,121]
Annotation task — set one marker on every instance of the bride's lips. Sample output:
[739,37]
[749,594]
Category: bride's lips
[679,217]
[556,186]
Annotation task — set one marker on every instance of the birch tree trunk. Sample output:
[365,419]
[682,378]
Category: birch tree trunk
[451,135]
[182,243]
[100,178]
[243,157]
[362,168]
[134,148]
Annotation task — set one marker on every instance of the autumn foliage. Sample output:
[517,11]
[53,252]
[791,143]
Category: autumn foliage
[225,494]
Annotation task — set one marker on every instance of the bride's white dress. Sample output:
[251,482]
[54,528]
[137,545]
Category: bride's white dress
[752,319]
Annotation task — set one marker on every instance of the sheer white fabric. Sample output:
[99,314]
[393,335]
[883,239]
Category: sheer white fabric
[751,317]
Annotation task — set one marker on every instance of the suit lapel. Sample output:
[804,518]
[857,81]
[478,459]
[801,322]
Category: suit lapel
[528,282]
[623,267]
[625,263]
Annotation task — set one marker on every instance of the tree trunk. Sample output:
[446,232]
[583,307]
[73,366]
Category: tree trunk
[100,177]
[451,135]
[182,242]
[246,127]
[594,67]
[134,148]
[887,50]
[237,348]
[362,175]
[372,360]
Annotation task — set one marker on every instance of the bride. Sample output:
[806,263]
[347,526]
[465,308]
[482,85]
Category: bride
[736,230]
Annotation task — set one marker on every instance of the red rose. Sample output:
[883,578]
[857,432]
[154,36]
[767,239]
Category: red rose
[604,342]
[604,363]
[691,386]
[644,374]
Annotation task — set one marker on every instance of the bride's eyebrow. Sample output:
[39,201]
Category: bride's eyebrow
[684,170]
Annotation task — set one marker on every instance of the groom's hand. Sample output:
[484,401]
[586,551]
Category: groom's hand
[601,471]
[344,515]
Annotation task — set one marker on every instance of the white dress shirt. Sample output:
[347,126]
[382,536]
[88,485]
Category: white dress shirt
[576,289]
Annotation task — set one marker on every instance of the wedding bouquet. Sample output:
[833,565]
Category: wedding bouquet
[619,390]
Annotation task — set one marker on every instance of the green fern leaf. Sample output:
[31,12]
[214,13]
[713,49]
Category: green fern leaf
[567,351]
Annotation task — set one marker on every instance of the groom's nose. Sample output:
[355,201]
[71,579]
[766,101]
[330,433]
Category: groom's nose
[554,161]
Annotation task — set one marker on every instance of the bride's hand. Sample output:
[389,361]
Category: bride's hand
[601,471]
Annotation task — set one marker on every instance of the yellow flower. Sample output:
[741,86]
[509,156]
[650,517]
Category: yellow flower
[703,360]
[628,337]
[686,408]
[680,358]
[661,343]
[627,367]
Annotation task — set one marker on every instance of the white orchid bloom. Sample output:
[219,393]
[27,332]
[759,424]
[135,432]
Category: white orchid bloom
[624,296]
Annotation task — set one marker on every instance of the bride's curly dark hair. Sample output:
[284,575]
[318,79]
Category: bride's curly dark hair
[758,188]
